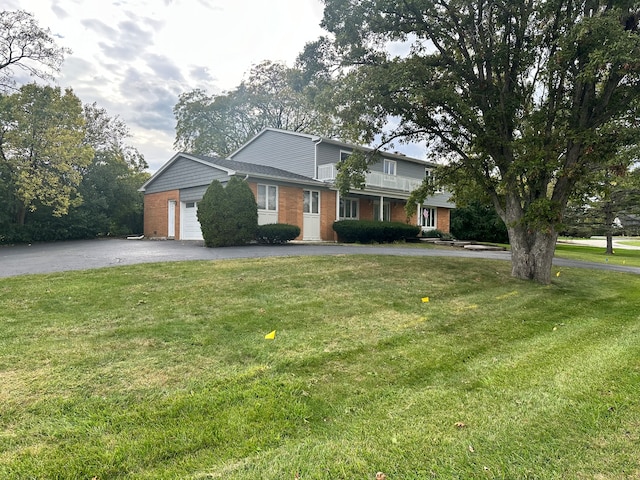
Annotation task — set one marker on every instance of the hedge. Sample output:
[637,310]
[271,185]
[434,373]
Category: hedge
[368,231]
[276,233]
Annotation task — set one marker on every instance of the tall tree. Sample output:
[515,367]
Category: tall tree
[272,96]
[111,204]
[26,46]
[42,149]
[526,98]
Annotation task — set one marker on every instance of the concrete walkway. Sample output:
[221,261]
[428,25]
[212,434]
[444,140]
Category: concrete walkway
[87,254]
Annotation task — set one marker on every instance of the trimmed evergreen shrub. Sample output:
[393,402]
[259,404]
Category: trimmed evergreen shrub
[243,210]
[277,233]
[368,231]
[228,216]
[212,216]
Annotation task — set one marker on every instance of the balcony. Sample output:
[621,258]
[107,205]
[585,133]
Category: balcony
[374,179]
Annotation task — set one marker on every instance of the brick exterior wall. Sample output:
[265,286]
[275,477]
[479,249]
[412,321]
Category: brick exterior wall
[290,203]
[290,207]
[156,211]
[328,215]
[443,216]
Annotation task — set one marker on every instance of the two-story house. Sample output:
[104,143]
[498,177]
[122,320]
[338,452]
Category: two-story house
[292,177]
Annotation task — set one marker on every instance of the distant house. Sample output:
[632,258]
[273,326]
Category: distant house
[292,176]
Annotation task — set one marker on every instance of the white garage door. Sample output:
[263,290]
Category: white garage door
[190,227]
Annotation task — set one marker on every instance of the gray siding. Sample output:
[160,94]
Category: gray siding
[328,153]
[439,200]
[184,173]
[294,153]
[193,194]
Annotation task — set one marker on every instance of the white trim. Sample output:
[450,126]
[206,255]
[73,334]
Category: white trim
[171,218]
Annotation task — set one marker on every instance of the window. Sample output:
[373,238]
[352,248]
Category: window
[389,167]
[267,197]
[386,211]
[349,208]
[190,205]
[311,201]
[429,175]
[428,217]
[344,155]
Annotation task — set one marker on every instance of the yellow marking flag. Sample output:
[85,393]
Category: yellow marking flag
[425,299]
[270,336]
[558,274]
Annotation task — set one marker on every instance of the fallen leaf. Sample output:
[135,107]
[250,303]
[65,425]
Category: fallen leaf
[460,424]
[471,449]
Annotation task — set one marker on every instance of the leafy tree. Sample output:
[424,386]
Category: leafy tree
[42,150]
[478,221]
[273,96]
[527,99]
[617,197]
[26,46]
[112,204]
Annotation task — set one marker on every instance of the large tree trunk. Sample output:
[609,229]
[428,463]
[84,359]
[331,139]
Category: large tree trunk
[532,253]
[532,249]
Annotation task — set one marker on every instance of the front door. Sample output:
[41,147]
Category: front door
[311,215]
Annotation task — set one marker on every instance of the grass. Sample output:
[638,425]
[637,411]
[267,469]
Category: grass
[162,371]
[621,256]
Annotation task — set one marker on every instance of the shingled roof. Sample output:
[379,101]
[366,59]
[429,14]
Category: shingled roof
[244,168]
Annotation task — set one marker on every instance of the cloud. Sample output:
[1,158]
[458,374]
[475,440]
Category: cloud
[59,12]
[128,42]
[98,27]
[165,68]
[151,102]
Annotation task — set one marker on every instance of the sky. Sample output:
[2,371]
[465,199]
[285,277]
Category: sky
[135,57]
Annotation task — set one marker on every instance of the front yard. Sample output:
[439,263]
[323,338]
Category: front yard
[163,371]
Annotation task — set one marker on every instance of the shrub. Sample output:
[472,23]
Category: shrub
[228,216]
[368,231]
[277,233]
[243,210]
[480,222]
[212,214]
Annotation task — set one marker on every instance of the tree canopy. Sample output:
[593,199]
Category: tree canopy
[525,99]
[272,96]
[26,46]
[42,149]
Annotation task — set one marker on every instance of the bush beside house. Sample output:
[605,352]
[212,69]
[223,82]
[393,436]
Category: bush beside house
[277,233]
[228,216]
[367,231]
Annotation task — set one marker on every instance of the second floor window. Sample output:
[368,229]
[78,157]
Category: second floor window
[389,167]
[267,197]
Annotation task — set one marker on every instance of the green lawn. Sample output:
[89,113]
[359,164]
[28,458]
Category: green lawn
[163,372]
[620,256]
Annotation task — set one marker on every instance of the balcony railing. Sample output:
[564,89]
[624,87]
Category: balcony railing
[374,179]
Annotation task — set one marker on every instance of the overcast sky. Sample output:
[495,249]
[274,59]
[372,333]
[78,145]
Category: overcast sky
[135,57]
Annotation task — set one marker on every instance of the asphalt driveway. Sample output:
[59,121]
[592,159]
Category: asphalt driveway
[87,254]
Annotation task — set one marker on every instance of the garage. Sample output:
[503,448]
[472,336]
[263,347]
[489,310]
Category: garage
[190,227]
